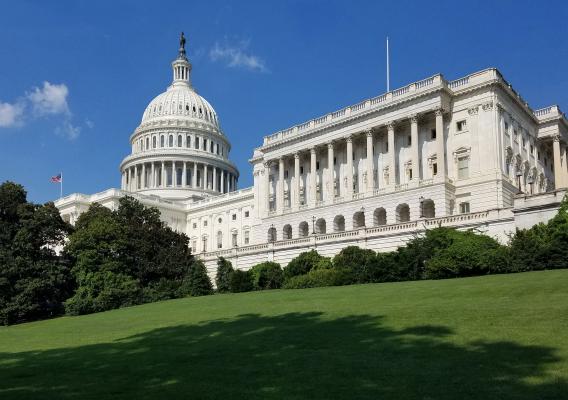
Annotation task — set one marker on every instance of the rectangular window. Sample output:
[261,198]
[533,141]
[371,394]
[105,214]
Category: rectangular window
[433,134]
[194,225]
[410,173]
[204,223]
[246,237]
[387,147]
[301,170]
[435,169]
[317,165]
[464,208]
[197,143]
[234,240]
[194,246]
[334,160]
[461,125]
[506,128]
[286,174]
[409,140]
[234,216]
[246,214]
[463,167]
[204,144]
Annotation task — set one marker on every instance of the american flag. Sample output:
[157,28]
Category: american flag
[56,178]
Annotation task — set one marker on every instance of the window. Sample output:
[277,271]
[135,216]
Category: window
[435,169]
[205,223]
[461,125]
[204,243]
[180,140]
[188,141]
[524,143]
[317,165]
[286,174]
[162,141]
[247,237]
[154,142]
[194,246]
[387,147]
[532,149]
[409,140]
[464,207]
[211,147]
[433,134]
[507,128]
[171,141]
[301,170]
[410,173]
[147,143]
[463,167]
[205,144]
[197,143]
[234,240]
[246,214]
[234,217]
[219,220]
[194,225]
[219,240]
[334,160]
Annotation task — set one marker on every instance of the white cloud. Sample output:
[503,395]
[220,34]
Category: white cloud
[51,99]
[90,124]
[68,130]
[11,114]
[237,56]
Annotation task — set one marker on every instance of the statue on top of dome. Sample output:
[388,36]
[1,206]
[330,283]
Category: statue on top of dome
[182,43]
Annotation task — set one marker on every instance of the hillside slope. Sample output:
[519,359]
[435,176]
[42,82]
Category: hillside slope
[493,337]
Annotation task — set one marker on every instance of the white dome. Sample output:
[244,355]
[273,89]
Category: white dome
[181,100]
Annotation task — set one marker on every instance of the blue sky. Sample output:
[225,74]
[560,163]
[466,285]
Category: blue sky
[75,76]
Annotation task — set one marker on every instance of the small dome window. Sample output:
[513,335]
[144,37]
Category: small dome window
[187,107]
[200,111]
[193,108]
[171,141]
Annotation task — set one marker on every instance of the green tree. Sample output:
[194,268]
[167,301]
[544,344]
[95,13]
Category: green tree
[241,281]
[34,279]
[197,282]
[223,276]
[302,264]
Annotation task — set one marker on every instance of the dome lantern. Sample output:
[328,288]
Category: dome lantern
[181,66]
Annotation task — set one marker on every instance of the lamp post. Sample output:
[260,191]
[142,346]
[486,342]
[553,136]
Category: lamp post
[272,233]
[421,200]
[313,225]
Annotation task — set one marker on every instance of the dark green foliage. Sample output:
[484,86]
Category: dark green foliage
[360,264]
[302,264]
[267,275]
[223,277]
[319,278]
[34,280]
[129,256]
[241,281]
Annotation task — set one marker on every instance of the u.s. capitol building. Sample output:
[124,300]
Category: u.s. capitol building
[468,153]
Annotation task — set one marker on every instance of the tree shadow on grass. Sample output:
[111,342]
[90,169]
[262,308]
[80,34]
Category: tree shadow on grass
[291,356]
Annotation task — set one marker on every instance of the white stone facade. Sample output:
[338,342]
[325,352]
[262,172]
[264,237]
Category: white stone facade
[463,153]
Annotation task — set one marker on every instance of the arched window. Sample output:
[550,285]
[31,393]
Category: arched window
[171,141]
[196,143]
[339,223]
[162,141]
[154,142]
[287,232]
[303,229]
[320,226]
[188,141]
[380,217]
[179,177]
[359,220]
[271,234]
[147,143]
[219,240]
[402,213]
[428,209]
[180,140]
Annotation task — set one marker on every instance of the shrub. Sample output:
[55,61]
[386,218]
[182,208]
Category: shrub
[223,277]
[267,275]
[241,281]
[319,278]
[197,282]
[302,264]
[361,263]
[468,254]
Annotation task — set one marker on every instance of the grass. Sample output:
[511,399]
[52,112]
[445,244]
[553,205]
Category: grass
[493,337]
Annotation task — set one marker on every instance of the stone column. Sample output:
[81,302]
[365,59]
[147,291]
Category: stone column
[296,202]
[558,175]
[205,177]
[267,187]
[440,145]
[370,161]
[153,178]
[222,188]
[313,177]
[228,181]
[330,192]
[136,177]
[144,176]
[414,148]
[349,189]
[564,157]
[163,175]
[184,174]
[392,154]
[194,181]
[174,174]
[214,178]
[280,187]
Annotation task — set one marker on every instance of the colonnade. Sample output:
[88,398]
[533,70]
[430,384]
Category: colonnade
[328,193]
[178,174]
[560,155]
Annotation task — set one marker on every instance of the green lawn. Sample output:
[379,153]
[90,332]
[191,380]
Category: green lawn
[493,337]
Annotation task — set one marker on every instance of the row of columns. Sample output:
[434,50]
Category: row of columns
[134,177]
[370,167]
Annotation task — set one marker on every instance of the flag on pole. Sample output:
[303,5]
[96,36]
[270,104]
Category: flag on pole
[58,179]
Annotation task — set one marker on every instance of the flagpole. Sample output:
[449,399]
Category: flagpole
[388,66]
[61,186]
